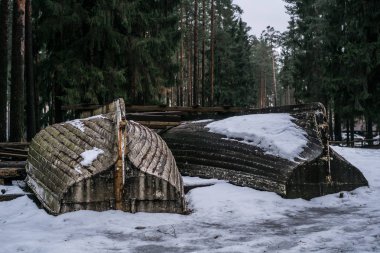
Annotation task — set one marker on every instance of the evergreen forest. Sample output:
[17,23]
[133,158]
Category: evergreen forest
[185,53]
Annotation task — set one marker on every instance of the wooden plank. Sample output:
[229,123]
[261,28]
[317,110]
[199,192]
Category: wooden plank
[158,124]
[13,173]
[80,107]
[12,164]
[195,109]
[9,154]
[14,144]
[16,150]
[224,109]
[152,117]
[137,108]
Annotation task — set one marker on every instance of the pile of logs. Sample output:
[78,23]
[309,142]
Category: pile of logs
[13,151]
[11,170]
[13,157]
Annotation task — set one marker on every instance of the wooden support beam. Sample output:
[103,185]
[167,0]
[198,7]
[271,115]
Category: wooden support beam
[80,107]
[188,109]
[14,144]
[158,124]
[153,117]
[12,164]
[12,154]
[119,174]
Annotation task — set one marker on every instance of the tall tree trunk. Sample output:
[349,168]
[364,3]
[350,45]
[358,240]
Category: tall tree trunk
[190,79]
[331,130]
[17,72]
[262,90]
[176,83]
[203,50]
[274,79]
[337,125]
[190,65]
[57,103]
[352,129]
[369,129]
[182,76]
[29,78]
[212,61]
[288,95]
[4,14]
[195,56]
[266,102]
[36,94]
[188,59]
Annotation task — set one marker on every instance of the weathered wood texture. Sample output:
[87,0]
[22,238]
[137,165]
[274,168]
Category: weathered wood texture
[201,153]
[62,184]
[12,173]
[55,152]
[13,151]
[154,160]
[13,164]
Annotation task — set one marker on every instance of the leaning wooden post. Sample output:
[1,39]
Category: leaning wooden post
[119,178]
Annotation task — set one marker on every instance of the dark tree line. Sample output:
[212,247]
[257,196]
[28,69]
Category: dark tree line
[178,52]
[216,55]
[332,54]
[16,20]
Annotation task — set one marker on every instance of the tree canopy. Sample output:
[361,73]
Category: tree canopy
[185,53]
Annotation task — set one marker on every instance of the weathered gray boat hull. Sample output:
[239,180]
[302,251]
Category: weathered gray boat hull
[135,172]
[321,171]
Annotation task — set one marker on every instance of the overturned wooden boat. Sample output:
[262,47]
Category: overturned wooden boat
[320,170]
[104,162]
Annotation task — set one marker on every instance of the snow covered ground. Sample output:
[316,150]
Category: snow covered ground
[225,218]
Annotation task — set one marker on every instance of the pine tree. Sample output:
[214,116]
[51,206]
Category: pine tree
[94,51]
[342,52]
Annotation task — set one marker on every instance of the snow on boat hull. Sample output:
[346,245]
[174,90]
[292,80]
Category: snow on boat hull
[74,165]
[317,172]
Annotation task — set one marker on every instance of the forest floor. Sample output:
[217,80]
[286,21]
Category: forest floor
[224,218]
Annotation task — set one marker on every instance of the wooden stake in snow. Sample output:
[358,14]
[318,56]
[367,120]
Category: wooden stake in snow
[119,178]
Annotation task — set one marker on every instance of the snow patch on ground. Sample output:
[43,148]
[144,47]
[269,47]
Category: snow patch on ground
[275,133]
[8,189]
[90,155]
[224,218]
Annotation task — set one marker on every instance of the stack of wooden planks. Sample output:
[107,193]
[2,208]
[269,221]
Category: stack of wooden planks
[13,157]
[12,170]
[13,151]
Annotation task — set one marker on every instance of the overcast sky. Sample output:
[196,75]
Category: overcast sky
[260,13]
